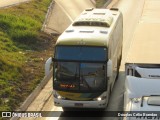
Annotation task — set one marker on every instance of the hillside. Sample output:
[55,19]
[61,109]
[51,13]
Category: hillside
[23,51]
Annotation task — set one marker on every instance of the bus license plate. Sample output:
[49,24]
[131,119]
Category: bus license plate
[78,104]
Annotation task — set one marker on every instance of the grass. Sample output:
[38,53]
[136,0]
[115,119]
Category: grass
[100,3]
[23,50]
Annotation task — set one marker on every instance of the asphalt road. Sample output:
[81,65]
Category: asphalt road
[74,7]
[64,12]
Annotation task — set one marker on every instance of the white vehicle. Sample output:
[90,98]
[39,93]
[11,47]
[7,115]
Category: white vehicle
[87,58]
[143,65]
[139,88]
[142,95]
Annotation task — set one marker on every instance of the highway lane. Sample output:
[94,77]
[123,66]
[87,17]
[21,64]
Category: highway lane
[74,7]
[132,10]
[64,12]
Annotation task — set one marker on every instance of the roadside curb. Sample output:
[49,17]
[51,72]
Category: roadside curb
[33,95]
[37,90]
[47,15]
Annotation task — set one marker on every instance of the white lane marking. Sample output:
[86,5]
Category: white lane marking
[71,19]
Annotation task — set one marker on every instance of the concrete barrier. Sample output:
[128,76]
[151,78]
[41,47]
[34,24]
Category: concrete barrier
[33,95]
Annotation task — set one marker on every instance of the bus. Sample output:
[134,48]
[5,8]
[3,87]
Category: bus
[86,59]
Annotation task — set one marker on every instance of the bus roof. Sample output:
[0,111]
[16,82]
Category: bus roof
[92,28]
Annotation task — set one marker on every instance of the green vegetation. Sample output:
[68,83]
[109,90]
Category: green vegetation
[100,3]
[23,50]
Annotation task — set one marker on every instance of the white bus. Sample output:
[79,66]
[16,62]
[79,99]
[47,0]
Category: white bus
[87,58]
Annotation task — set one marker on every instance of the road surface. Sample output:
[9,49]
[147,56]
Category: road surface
[64,12]
[74,7]
[8,3]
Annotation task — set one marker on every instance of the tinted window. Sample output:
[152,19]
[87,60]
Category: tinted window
[76,76]
[81,53]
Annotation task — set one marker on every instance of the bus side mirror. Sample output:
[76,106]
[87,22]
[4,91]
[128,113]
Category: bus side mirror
[47,66]
[109,68]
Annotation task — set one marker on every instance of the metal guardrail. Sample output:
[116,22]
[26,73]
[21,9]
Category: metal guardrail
[48,15]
